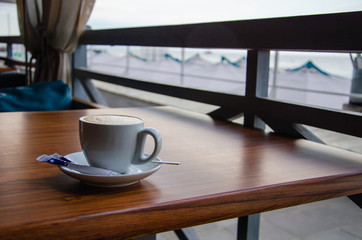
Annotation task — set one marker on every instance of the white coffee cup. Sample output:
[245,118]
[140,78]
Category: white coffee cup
[116,142]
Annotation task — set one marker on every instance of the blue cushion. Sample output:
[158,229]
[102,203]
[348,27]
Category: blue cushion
[44,96]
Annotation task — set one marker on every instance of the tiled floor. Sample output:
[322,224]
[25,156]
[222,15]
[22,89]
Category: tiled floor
[335,219]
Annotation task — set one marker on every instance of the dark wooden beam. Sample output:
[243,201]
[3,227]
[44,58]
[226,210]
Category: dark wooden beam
[275,111]
[226,113]
[325,32]
[11,39]
[257,78]
[214,98]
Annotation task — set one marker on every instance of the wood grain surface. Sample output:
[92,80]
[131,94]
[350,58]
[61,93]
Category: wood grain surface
[227,171]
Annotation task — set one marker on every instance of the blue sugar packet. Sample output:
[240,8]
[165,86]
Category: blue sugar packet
[59,160]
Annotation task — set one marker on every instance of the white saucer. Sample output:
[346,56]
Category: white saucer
[136,173]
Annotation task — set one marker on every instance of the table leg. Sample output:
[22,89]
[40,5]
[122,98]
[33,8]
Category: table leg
[357,199]
[248,227]
[186,234]
[150,237]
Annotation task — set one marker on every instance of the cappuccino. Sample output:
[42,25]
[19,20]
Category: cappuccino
[111,119]
[116,142]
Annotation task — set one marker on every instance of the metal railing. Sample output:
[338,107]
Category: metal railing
[328,32]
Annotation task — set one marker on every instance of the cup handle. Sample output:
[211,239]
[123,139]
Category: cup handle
[140,156]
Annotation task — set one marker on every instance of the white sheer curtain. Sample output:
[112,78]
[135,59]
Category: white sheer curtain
[50,30]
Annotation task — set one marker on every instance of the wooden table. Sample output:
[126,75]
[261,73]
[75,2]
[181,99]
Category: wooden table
[227,171]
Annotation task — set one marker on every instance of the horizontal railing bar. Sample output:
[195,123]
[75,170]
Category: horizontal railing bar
[354,95]
[202,96]
[334,120]
[11,39]
[13,61]
[138,68]
[179,74]
[325,32]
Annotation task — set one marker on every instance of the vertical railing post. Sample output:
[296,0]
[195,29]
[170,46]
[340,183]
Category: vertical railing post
[356,86]
[84,88]
[257,79]
[182,66]
[128,55]
[78,59]
[9,50]
[273,93]
[248,227]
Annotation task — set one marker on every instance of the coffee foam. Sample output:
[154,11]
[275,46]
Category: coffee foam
[111,119]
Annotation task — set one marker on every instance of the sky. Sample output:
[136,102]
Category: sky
[117,14]
[135,13]
[8,20]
